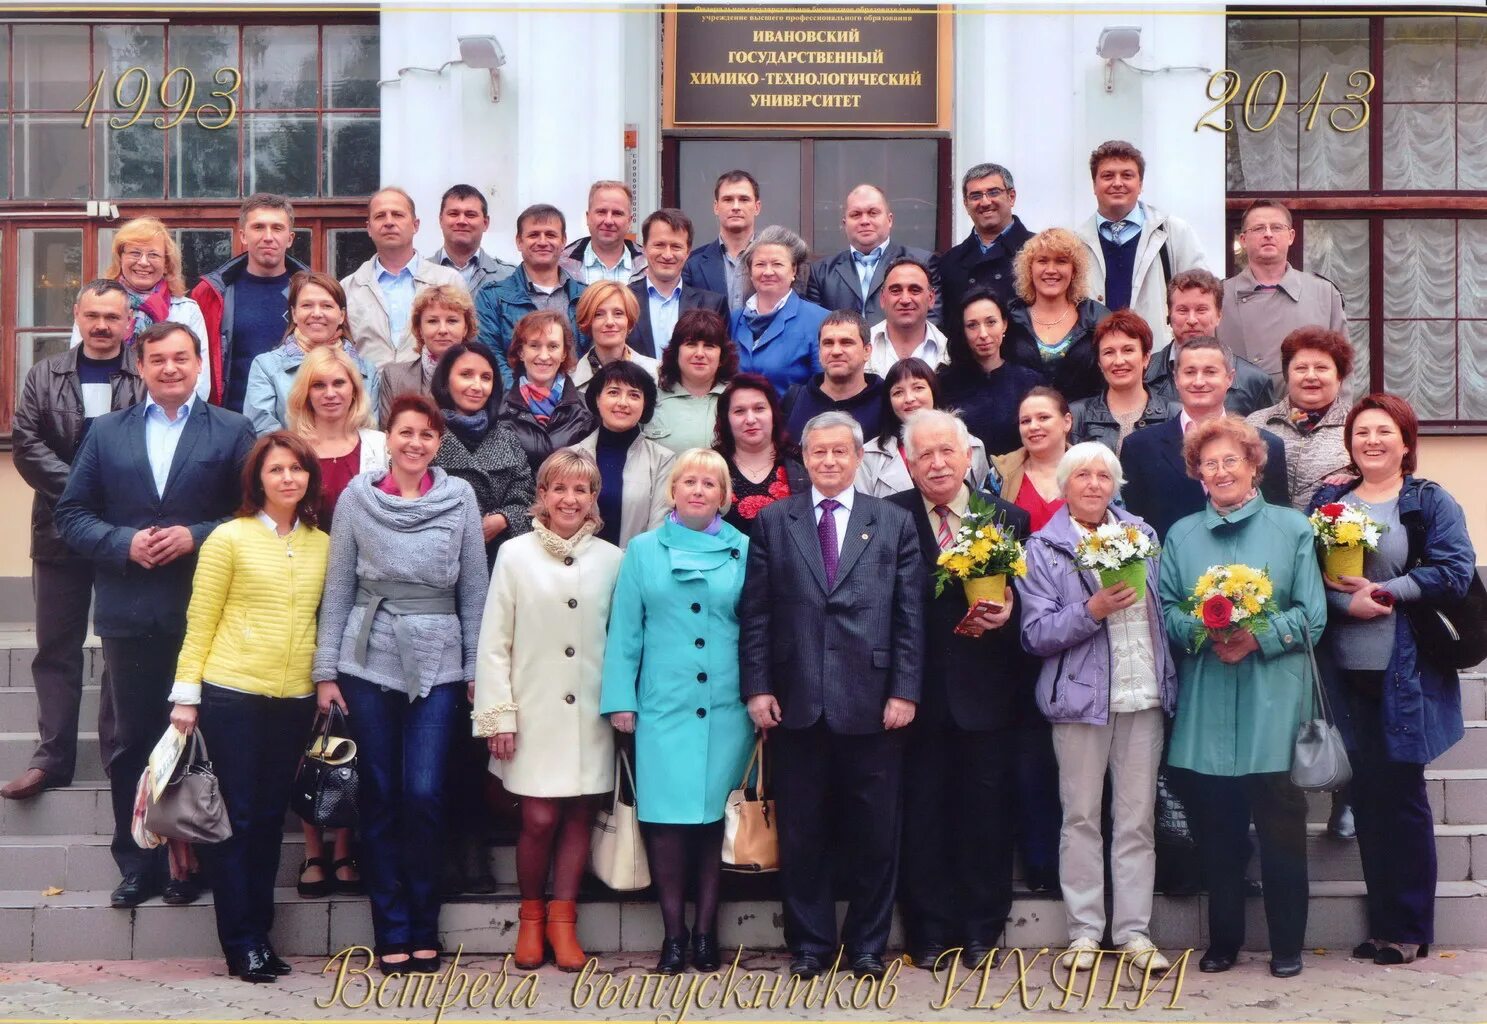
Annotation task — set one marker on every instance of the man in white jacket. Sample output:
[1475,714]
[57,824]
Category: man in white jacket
[1135,248]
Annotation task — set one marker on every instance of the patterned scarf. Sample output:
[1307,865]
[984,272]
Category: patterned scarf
[1306,421]
[542,401]
[149,307]
[557,546]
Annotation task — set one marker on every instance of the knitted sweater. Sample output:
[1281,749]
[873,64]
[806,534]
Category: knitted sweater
[251,622]
[432,540]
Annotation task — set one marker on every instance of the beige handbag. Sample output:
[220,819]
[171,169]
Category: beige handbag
[617,853]
[751,838]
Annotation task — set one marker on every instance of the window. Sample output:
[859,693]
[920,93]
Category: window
[1391,212]
[188,111]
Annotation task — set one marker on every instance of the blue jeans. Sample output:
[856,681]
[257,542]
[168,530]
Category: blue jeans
[402,753]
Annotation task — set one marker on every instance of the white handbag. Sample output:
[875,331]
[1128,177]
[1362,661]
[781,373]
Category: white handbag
[617,853]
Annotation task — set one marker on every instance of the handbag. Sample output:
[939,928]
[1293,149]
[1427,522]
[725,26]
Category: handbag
[1172,826]
[1451,634]
[190,807]
[617,853]
[751,837]
[1319,759]
[326,783]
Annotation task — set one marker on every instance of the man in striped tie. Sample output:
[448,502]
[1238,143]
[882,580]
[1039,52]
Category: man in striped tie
[955,873]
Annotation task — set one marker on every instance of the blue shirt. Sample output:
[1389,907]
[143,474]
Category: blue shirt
[665,311]
[985,247]
[260,316]
[397,291]
[866,264]
[162,437]
[1129,228]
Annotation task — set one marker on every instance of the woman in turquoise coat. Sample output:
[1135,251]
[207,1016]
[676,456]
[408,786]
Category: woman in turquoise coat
[1240,700]
[671,678]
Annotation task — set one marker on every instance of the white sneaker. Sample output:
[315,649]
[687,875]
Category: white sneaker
[1142,953]
[1081,955]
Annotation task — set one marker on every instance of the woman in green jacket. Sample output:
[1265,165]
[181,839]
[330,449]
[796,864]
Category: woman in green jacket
[1241,699]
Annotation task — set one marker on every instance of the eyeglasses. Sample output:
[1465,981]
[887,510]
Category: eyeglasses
[1267,229]
[988,193]
[143,256]
[1230,463]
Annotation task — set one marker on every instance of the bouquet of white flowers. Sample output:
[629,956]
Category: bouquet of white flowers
[1117,552]
[1343,533]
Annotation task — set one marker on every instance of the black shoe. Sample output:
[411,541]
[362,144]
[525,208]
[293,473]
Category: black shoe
[975,951]
[132,891]
[1340,824]
[425,964]
[1216,961]
[252,966]
[1285,966]
[347,887]
[925,957]
[705,954]
[1394,954]
[806,966]
[867,964]
[180,892]
[398,967]
[673,959]
[315,890]
[277,964]
[1366,950]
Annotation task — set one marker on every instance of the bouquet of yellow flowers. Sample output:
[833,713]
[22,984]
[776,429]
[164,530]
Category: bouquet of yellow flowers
[1343,533]
[1117,553]
[1228,598]
[984,554]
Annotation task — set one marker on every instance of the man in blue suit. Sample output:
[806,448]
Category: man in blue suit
[717,266]
[148,485]
[1158,488]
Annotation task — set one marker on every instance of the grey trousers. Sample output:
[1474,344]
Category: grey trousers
[63,592]
[1129,746]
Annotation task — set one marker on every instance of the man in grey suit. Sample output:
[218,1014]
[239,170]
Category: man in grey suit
[831,664]
[853,278]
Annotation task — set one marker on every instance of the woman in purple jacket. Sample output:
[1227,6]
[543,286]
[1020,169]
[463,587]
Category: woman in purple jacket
[1106,683]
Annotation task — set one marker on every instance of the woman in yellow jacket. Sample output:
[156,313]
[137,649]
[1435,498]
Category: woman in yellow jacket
[244,675]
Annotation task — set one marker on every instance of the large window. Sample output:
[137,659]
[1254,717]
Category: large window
[187,111]
[1388,208]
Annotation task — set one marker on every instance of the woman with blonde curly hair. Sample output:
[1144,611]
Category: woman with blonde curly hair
[145,259]
[1051,321]
[442,317]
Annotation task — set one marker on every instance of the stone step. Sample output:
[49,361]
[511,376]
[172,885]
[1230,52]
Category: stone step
[81,926]
[18,708]
[1470,751]
[17,748]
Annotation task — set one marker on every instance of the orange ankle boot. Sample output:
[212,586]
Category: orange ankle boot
[562,935]
[530,950]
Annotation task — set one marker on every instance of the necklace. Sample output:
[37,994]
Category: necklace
[1054,322]
[754,467]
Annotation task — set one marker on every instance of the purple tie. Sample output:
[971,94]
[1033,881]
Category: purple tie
[826,533]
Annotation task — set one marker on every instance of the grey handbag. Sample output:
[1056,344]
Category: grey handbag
[190,807]
[1319,760]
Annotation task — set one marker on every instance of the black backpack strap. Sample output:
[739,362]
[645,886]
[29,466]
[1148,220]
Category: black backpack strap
[1166,257]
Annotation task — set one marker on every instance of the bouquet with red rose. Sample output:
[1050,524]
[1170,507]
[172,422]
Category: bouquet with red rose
[1228,598]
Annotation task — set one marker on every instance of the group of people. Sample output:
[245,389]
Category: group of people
[678,498]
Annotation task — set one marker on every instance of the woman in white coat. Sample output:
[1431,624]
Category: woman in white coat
[537,684]
[634,471]
[884,469]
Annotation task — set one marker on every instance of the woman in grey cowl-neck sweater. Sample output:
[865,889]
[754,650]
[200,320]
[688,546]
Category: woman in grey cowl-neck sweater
[406,550]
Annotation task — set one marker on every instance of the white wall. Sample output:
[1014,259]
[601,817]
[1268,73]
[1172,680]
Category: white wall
[1030,94]
[559,123]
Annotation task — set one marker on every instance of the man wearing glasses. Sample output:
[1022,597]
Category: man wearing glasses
[1269,298]
[984,259]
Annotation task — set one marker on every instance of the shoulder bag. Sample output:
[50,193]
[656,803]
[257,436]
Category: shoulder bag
[326,783]
[617,854]
[751,838]
[1452,634]
[1319,759]
[190,807]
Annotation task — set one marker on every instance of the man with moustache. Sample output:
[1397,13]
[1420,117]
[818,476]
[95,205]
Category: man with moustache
[854,278]
[660,292]
[380,292]
[63,396]
[464,218]
[147,487]
[831,654]
[955,876]
[605,253]
[539,283]
[843,385]
[1195,303]
[907,329]
[984,259]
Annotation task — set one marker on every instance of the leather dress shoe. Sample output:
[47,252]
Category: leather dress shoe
[673,959]
[180,892]
[132,891]
[1285,966]
[705,953]
[252,966]
[1340,824]
[1216,961]
[867,964]
[26,785]
[277,964]
[925,957]
[806,966]
[975,951]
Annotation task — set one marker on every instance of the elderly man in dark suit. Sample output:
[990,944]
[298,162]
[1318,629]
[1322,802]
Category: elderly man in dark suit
[831,656]
[955,878]
[148,485]
[853,278]
[660,292]
[1158,488]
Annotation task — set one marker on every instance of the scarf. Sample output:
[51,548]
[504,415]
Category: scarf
[712,529]
[1227,510]
[150,307]
[557,546]
[470,429]
[759,322]
[1306,421]
[543,402]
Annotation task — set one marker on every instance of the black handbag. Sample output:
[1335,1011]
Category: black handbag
[1172,825]
[190,807]
[326,783]
[1451,634]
